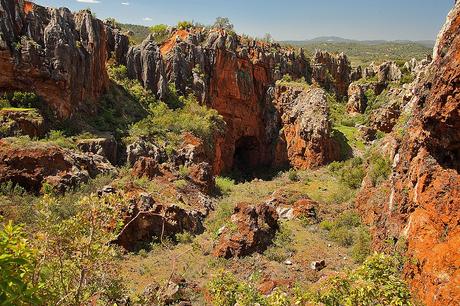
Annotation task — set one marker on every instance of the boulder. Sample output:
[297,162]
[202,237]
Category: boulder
[332,72]
[388,72]
[256,226]
[147,221]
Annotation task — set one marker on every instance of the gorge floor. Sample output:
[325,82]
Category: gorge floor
[287,263]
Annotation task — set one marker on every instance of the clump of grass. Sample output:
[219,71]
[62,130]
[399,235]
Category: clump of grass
[350,172]
[281,249]
[293,175]
[224,185]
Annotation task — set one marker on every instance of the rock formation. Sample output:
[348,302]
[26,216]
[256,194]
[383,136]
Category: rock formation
[256,226]
[306,134]
[357,101]
[32,166]
[332,72]
[423,209]
[146,220]
[59,55]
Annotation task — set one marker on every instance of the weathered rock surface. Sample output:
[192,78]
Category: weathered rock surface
[332,72]
[423,209]
[306,127]
[357,101]
[146,220]
[105,146]
[388,72]
[17,123]
[31,166]
[256,226]
[59,55]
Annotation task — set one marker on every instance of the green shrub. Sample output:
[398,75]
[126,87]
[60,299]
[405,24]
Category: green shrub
[226,290]
[346,230]
[362,246]
[379,168]
[4,103]
[11,189]
[160,33]
[25,99]
[223,23]
[17,262]
[293,176]
[184,171]
[350,172]
[185,237]
[376,282]
[286,78]
[342,235]
[184,25]
[165,124]
[224,185]
[180,184]
[118,73]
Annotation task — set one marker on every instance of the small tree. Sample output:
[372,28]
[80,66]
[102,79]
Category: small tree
[223,23]
[268,38]
[160,32]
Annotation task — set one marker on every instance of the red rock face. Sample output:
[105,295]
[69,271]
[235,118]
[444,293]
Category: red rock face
[62,60]
[235,91]
[306,132]
[423,208]
[256,227]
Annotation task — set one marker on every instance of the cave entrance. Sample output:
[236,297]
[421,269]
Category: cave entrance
[247,156]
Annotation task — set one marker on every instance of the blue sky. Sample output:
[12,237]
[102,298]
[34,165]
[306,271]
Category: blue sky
[285,19]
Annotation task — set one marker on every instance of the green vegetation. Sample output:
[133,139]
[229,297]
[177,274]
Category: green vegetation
[281,250]
[366,53]
[184,25]
[20,100]
[224,185]
[375,282]
[137,32]
[223,23]
[288,81]
[17,262]
[351,172]
[160,33]
[379,168]
[166,125]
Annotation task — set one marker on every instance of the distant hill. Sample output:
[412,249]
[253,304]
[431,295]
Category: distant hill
[337,39]
[139,32]
[365,52]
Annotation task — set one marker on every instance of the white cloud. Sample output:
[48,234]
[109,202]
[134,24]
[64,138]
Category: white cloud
[125,3]
[89,1]
[147,19]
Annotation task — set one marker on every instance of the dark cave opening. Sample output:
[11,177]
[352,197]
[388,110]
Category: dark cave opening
[247,156]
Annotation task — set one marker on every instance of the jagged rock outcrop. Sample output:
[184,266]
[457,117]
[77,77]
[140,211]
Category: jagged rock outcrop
[388,72]
[228,73]
[117,44]
[256,226]
[146,220]
[416,67]
[332,72]
[306,133]
[145,64]
[32,166]
[357,101]
[59,55]
[423,209]
[104,146]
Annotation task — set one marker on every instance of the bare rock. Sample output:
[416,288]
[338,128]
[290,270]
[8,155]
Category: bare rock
[256,226]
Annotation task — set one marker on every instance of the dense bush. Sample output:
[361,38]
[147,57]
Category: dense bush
[376,282]
[223,23]
[184,25]
[165,124]
[17,262]
[379,168]
[350,172]
[20,99]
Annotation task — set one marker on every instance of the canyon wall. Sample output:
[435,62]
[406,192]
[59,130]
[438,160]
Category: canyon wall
[59,55]
[422,210]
